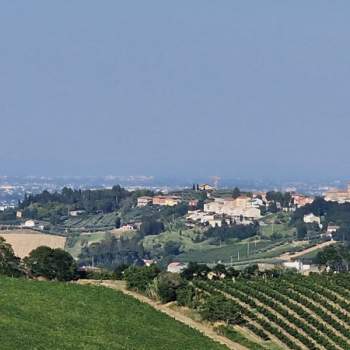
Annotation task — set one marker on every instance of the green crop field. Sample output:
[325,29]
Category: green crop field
[52,315]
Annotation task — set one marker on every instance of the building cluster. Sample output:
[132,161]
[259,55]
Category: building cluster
[158,200]
[338,195]
[300,200]
[243,210]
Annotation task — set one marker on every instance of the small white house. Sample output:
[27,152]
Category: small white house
[176,267]
[311,218]
[29,224]
[76,212]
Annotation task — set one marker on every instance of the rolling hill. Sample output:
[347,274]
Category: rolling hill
[52,315]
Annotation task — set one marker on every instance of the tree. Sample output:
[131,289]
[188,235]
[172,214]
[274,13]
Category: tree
[195,270]
[117,222]
[236,192]
[9,263]
[301,230]
[168,283]
[139,278]
[337,258]
[51,264]
[151,227]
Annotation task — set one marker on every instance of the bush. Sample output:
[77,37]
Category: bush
[218,308]
[185,295]
[138,278]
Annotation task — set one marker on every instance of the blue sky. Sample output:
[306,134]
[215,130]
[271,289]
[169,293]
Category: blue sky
[186,88]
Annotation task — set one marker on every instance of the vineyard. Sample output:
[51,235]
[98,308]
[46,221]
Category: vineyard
[290,311]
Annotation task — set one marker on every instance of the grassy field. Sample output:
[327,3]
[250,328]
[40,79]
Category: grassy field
[227,253]
[277,224]
[50,315]
[24,241]
[83,238]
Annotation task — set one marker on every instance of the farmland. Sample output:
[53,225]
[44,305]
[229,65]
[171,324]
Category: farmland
[293,311]
[24,241]
[69,316]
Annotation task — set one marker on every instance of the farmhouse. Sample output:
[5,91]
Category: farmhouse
[29,224]
[76,212]
[311,218]
[176,267]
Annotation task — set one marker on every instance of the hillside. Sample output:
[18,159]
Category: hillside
[293,311]
[49,315]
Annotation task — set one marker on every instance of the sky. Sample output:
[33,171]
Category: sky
[256,89]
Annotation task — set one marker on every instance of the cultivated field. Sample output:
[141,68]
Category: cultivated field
[24,241]
[66,316]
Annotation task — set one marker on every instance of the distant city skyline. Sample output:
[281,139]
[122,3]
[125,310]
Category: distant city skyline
[185,90]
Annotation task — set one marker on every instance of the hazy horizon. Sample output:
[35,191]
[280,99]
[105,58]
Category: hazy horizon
[186,89]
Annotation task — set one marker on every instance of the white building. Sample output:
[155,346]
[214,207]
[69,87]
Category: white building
[311,218]
[176,267]
[29,224]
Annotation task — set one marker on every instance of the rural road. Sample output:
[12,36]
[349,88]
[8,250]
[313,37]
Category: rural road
[204,329]
[288,257]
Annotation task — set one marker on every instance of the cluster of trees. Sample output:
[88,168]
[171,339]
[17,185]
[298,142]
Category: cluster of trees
[226,232]
[42,262]
[336,257]
[112,252]
[9,263]
[105,200]
[151,227]
[284,198]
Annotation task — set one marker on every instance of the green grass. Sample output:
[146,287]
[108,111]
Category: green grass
[212,254]
[89,237]
[51,315]
[277,224]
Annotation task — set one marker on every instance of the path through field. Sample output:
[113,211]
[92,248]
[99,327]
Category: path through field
[204,329]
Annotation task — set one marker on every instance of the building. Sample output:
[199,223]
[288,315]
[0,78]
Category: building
[176,267]
[336,195]
[206,187]
[144,201]
[19,214]
[76,212]
[29,224]
[300,200]
[332,229]
[236,208]
[127,227]
[311,218]
[193,203]
[166,200]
